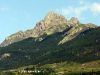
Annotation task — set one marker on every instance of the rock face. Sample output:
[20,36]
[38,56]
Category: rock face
[50,24]
[5,55]
[73,21]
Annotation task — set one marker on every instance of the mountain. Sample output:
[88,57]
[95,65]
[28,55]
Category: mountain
[53,40]
[51,24]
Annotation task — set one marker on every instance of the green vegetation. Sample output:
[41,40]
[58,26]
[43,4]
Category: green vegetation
[64,68]
[74,51]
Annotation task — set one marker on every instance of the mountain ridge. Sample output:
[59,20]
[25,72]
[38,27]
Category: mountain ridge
[51,24]
[53,40]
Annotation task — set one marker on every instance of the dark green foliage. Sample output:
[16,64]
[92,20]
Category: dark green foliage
[8,73]
[83,48]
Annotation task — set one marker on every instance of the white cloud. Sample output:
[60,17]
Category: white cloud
[95,8]
[79,11]
[74,11]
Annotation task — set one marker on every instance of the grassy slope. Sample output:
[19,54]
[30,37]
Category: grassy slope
[84,48]
[64,68]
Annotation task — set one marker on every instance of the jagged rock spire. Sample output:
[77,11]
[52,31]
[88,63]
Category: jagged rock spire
[73,21]
[51,24]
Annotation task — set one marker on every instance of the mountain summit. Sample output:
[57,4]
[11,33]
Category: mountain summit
[52,23]
[53,40]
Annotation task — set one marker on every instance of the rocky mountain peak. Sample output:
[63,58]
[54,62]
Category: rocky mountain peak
[53,15]
[51,24]
[73,21]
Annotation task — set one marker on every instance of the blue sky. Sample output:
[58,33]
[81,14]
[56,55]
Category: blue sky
[16,15]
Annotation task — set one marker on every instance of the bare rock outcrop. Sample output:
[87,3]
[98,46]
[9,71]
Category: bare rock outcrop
[52,23]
